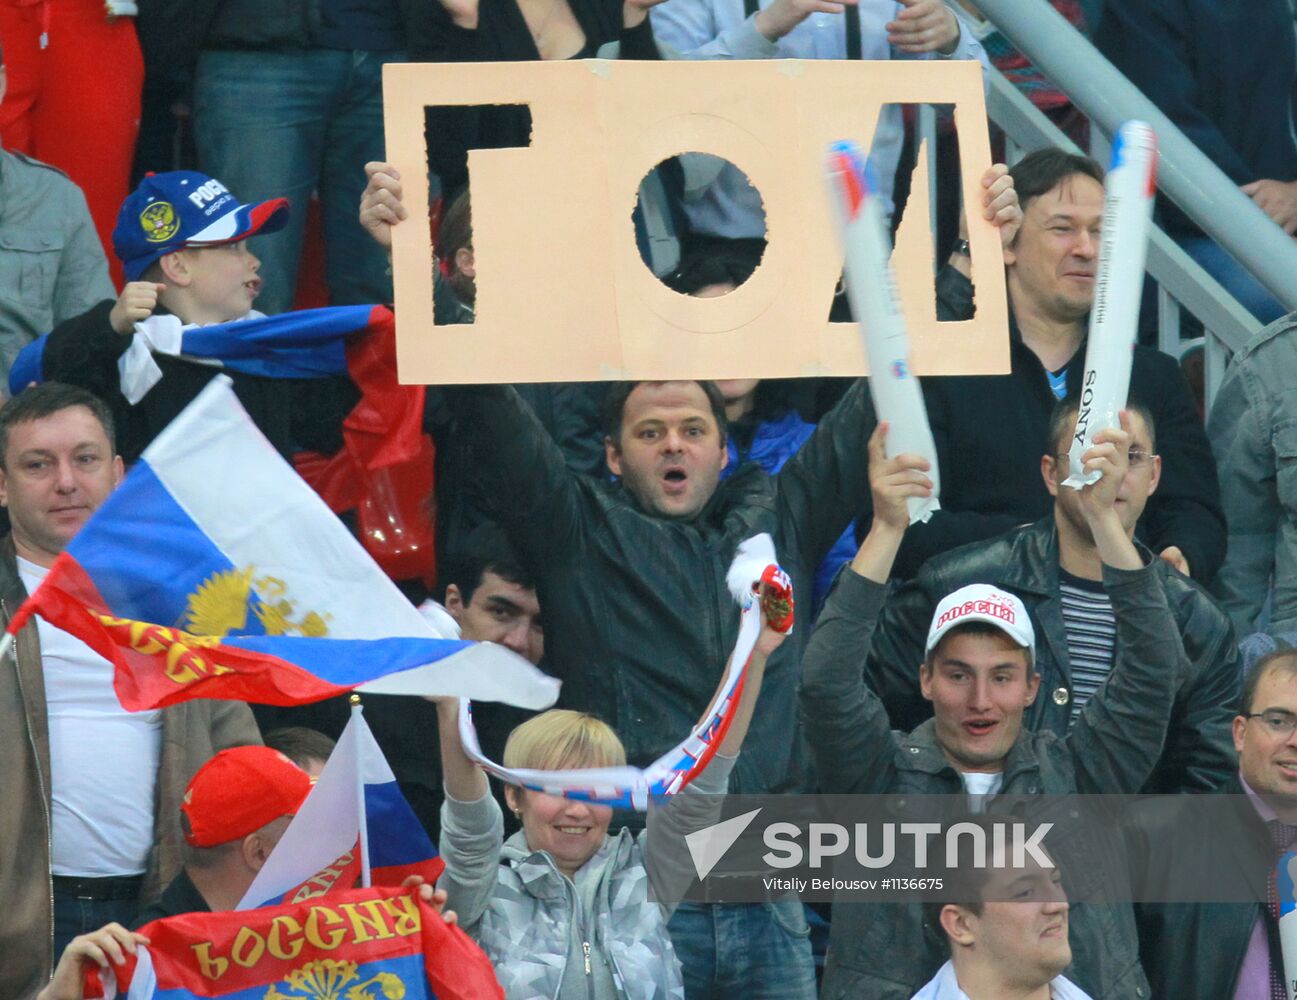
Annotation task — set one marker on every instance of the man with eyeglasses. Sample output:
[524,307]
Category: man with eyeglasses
[1229,950]
[1053,565]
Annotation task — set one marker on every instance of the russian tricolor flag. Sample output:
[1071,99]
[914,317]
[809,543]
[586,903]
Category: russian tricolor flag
[355,826]
[214,571]
[308,343]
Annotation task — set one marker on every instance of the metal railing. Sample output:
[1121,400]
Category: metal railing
[1185,175]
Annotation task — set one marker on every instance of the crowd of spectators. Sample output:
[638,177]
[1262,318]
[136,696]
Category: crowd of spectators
[589,527]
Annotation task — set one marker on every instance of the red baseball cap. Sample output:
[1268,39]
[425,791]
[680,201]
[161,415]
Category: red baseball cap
[239,791]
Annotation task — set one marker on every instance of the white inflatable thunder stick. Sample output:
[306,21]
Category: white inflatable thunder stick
[871,289]
[1123,246]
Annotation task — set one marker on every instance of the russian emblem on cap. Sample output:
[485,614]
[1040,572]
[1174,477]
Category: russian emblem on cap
[159,222]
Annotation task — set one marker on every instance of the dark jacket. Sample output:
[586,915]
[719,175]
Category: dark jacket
[1199,751]
[181,30]
[570,411]
[1195,951]
[990,433]
[1253,430]
[191,733]
[1224,73]
[882,952]
[292,413]
[638,620]
[181,896]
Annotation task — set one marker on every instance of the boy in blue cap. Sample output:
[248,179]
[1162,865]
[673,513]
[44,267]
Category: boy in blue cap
[181,238]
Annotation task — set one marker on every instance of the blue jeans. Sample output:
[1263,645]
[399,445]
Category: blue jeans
[74,917]
[758,951]
[288,124]
[1235,279]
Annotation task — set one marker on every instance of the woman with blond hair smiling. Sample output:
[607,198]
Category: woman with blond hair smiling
[562,907]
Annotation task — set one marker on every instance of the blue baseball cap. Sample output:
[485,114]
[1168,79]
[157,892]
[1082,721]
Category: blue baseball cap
[184,208]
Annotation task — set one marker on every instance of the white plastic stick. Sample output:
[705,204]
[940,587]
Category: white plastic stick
[871,289]
[1119,284]
[356,710]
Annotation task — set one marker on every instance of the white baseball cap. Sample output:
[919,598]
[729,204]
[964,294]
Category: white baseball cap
[980,602]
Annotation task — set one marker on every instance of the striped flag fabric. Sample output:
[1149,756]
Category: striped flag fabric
[214,571]
[365,944]
[355,826]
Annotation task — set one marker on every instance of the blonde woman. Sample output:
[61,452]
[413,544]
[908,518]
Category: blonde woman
[561,908]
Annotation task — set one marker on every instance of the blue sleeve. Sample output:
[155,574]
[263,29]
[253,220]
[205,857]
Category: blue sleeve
[29,366]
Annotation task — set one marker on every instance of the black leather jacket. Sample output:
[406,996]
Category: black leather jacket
[638,620]
[1199,752]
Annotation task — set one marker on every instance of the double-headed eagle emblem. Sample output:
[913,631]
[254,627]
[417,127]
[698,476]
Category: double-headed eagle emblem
[220,605]
[328,979]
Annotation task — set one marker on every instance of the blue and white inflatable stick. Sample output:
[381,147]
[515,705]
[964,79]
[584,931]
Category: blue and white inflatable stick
[1127,214]
[871,289]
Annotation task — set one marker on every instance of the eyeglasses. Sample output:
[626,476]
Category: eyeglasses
[1277,722]
[1136,458]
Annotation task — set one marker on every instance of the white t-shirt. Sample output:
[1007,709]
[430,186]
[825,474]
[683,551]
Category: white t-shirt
[103,759]
[980,786]
[944,986]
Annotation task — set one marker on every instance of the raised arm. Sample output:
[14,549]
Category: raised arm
[1199,753]
[773,600]
[851,739]
[949,528]
[526,481]
[80,351]
[1118,739]
[472,827]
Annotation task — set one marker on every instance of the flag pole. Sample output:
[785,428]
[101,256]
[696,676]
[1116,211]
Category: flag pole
[356,710]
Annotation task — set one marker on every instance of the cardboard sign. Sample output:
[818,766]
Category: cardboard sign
[562,294]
